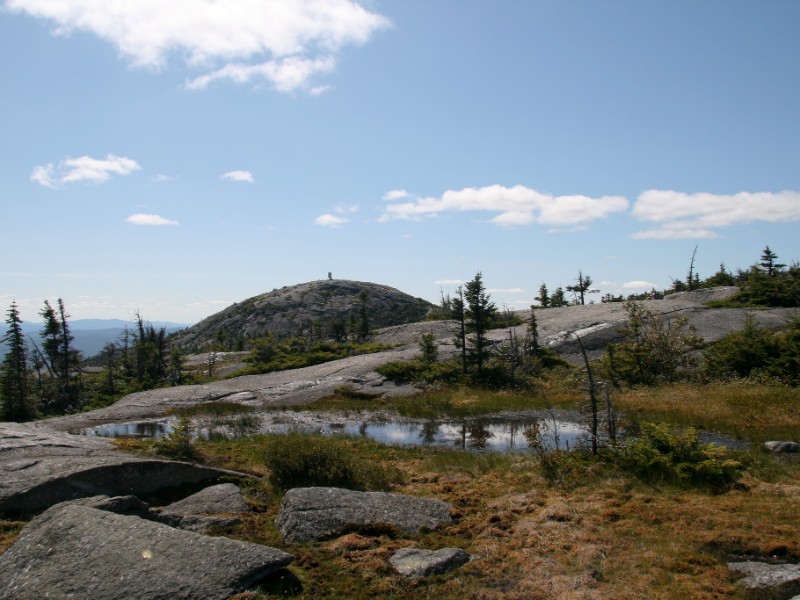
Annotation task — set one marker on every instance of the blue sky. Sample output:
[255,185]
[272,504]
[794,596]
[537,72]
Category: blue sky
[176,157]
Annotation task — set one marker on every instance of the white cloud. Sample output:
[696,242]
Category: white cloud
[243,176]
[393,195]
[282,43]
[684,216]
[83,168]
[675,231]
[329,220]
[44,175]
[516,205]
[505,290]
[345,209]
[638,285]
[161,178]
[145,219]
[448,282]
[285,75]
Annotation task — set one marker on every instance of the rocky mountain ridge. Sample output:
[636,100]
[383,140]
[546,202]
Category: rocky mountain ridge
[315,307]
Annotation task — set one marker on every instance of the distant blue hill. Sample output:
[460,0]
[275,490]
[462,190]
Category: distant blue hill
[91,335]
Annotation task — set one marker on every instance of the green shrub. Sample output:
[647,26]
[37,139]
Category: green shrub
[178,444]
[756,351]
[417,371]
[663,454]
[299,460]
[653,350]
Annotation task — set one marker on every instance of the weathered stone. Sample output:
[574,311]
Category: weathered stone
[414,562]
[213,500]
[82,553]
[122,505]
[40,467]
[316,513]
[767,581]
[199,523]
[778,446]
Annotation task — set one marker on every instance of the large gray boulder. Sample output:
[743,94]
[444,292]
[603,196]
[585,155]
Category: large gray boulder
[415,562]
[216,499]
[40,467]
[315,513]
[209,508]
[766,581]
[83,553]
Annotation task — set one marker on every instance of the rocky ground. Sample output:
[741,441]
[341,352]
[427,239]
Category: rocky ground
[596,324]
[115,546]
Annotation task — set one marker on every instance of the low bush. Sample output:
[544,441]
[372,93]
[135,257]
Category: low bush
[179,444]
[755,351]
[664,454]
[419,371]
[299,460]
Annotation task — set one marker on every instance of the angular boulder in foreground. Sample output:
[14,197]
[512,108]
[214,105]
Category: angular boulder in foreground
[72,551]
[315,513]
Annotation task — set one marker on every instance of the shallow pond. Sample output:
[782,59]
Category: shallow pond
[497,433]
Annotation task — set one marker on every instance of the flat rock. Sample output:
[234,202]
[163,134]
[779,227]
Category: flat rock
[315,513]
[122,505]
[83,553]
[40,467]
[213,500]
[778,446]
[415,562]
[767,581]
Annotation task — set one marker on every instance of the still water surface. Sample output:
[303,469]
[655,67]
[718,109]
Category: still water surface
[499,433]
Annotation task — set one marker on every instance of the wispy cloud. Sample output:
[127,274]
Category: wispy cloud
[242,176]
[145,219]
[515,206]
[393,195]
[284,44]
[83,168]
[329,220]
[345,209]
[699,216]
[639,285]
[449,281]
[515,290]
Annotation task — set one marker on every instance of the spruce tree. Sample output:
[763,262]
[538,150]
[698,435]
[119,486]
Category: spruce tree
[582,287]
[480,313]
[768,264]
[544,296]
[17,403]
[459,314]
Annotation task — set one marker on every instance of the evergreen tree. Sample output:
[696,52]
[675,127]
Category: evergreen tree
[17,404]
[768,264]
[582,287]
[61,390]
[544,296]
[363,322]
[557,298]
[480,313]
[459,314]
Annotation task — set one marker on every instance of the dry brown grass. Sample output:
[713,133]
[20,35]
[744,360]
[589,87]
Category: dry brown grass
[757,412]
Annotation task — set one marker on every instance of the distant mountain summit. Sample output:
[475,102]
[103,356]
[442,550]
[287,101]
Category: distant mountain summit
[317,308]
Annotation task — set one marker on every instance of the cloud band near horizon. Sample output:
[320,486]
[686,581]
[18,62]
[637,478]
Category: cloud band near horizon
[678,215]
